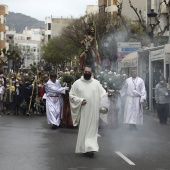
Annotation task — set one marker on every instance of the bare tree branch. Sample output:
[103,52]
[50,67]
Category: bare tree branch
[138,15]
[119,13]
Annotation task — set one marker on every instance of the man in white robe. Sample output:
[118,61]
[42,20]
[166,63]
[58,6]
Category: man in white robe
[53,102]
[135,92]
[84,97]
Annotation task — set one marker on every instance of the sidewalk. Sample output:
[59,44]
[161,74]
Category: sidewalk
[154,115]
[148,112]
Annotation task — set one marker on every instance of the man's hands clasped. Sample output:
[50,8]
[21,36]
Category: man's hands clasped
[84,102]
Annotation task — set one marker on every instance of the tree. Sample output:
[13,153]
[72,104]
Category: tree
[58,51]
[110,29]
[147,31]
[13,54]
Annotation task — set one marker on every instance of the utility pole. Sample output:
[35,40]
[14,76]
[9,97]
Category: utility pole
[168,7]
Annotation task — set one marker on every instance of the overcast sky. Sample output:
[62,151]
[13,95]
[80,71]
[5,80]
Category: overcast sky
[40,9]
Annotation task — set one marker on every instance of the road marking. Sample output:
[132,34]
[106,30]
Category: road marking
[125,158]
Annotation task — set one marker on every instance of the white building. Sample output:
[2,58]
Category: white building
[54,26]
[29,43]
[92,9]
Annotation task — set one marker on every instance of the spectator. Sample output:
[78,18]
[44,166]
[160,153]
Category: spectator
[162,100]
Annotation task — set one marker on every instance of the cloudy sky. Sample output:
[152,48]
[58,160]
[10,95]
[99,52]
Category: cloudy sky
[40,9]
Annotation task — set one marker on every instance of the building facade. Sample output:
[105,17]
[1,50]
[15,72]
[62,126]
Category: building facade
[92,9]
[3,26]
[54,26]
[29,43]
[109,6]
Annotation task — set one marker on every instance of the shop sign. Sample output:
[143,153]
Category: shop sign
[157,54]
[124,48]
[129,63]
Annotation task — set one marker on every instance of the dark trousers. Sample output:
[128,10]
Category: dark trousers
[162,110]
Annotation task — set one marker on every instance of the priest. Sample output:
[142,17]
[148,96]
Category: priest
[135,92]
[84,97]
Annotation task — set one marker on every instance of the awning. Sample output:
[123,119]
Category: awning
[130,60]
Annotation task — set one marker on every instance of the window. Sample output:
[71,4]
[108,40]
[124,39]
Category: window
[49,37]
[109,2]
[49,26]
[101,9]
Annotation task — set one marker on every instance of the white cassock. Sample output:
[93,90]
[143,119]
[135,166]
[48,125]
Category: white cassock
[87,116]
[53,101]
[135,92]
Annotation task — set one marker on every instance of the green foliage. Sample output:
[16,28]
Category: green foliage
[58,51]
[110,80]
[109,28]
[68,78]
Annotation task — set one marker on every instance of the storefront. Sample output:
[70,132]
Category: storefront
[150,63]
[157,67]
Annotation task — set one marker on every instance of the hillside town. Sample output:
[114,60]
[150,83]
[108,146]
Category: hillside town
[104,76]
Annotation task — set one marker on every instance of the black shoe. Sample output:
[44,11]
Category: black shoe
[54,127]
[60,126]
[89,154]
[28,114]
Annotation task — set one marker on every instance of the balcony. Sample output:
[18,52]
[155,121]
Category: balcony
[6,28]
[2,44]
[48,32]
[112,8]
[2,27]
[4,10]
[102,3]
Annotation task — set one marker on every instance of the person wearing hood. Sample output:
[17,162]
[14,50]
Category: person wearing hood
[85,96]
[162,99]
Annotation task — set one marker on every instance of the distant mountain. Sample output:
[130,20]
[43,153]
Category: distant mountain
[19,21]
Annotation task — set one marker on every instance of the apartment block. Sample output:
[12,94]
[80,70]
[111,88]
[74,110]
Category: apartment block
[29,43]
[54,26]
[109,6]
[3,27]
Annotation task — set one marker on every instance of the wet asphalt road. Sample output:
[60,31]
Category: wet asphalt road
[28,143]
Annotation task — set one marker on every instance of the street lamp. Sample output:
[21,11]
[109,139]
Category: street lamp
[153,22]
